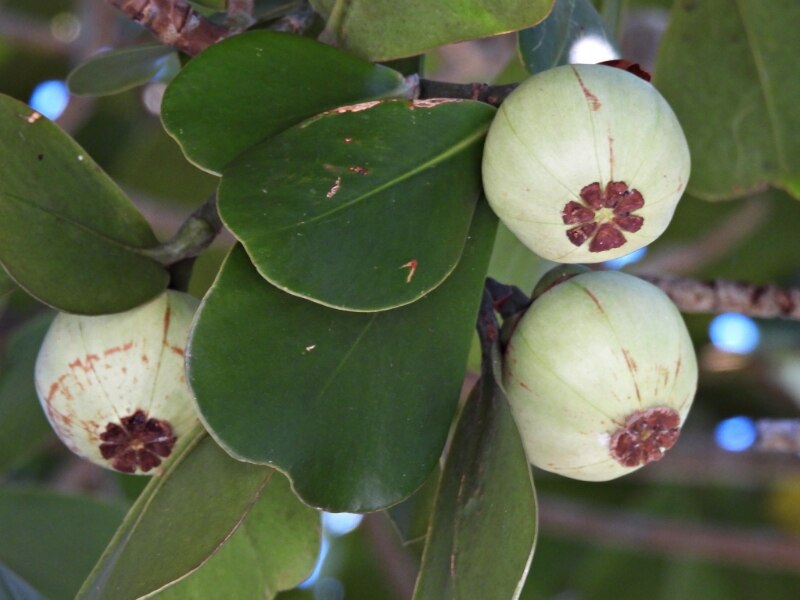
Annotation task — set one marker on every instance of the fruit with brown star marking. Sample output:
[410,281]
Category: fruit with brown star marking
[113,386]
[585,163]
[600,374]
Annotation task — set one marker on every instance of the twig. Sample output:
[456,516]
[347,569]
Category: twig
[719,295]
[778,435]
[297,21]
[668,537]
[482,92]
[174,22]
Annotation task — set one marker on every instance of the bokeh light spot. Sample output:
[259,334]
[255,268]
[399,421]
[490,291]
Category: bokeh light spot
[735,434]
[50,98]
[734,332]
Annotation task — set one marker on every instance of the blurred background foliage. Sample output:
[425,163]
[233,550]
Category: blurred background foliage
[733,511]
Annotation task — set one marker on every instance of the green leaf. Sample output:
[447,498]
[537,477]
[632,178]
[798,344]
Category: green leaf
[52,540]
[729,70]
[23,426]
[388,199]
[548,44]
[387,29]
[249,87]
[13,587]
[6,284]
[483,530]
[514,263]
[354,407]
[68,235]
[119,70]
[179,521]
[274,549]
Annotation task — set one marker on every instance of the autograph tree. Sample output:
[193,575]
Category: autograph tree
[324,365]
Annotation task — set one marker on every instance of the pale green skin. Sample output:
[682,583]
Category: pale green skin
[569,381]
[568,127]
[91,371]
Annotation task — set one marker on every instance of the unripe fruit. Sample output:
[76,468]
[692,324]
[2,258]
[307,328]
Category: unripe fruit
[585,163]
[600,374]
[113,386]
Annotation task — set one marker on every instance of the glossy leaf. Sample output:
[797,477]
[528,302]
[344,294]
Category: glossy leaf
[378,218]
[115,71]
[274,549]
[13,587]
[249,87]
[178,522]
[23,426]
[729,70]
[548,44]
[483,530]
[387,29]
[52,540]
[68,235]
[354,407]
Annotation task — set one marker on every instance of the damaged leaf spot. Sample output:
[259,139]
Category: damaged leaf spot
[335,188]
[646,436]
[137,442]
[412,268]
[356,107]
[33,117]
[603,215]
[358,170]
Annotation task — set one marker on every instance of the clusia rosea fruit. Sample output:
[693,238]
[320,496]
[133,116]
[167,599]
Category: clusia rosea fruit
[585,163]
[600,374]
[113,386]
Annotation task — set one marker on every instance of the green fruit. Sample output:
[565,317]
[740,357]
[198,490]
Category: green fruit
[585,163]
[113,386]
[600,374]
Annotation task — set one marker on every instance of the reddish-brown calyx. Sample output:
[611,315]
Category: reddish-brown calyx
[646,436]
[603,215]
[137,442]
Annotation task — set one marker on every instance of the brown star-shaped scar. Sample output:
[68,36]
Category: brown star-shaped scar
[137,442]
[603,215]
[646,436]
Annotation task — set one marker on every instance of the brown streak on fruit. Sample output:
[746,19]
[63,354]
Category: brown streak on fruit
[594,102]
[114,349]
[611,157]
[525,386]
[84,366]
[594,299]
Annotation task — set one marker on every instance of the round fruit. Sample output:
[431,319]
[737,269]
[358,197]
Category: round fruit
[113,386]
[600,374]
[585,163]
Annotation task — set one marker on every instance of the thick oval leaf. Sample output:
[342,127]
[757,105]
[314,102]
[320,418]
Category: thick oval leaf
[13,587]
[729,70]
[23,426]
[483,530]
[387,29]
[52,540]
[274,549]
[387,201]
[251,86]
[354,407]
[68,235]
[549,44]
[178,522]
[119,70]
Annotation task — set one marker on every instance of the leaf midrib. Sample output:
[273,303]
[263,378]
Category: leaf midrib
[434,161]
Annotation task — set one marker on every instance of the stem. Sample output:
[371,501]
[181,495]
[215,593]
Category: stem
[194,236]
[174,22]
[482,92]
